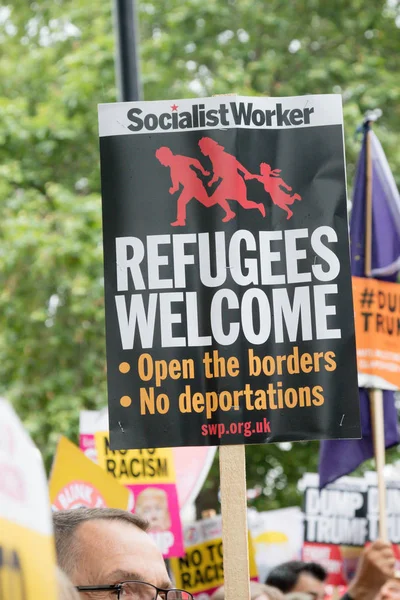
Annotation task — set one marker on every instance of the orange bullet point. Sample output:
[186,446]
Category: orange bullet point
[125,401]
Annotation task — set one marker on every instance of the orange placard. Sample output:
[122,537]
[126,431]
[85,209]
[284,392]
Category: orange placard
[377,318]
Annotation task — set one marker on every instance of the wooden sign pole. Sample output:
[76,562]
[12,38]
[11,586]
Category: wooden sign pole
[375,396]
[232,466]
[232,470]
[376,402]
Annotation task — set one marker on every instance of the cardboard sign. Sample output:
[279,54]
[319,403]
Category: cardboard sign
[337,514]
[277,537]
[191,464]
[335,525]
[76,481]
[342,518]
[392,507]
[150,476]
[346,512]
[340,562]
[27,565]
[377,312]
[229,313]
[200,571]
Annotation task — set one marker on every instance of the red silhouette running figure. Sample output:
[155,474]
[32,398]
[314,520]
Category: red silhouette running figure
[232,185]
[182,173]
[276,188]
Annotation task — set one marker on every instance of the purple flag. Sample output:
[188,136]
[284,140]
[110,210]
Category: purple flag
[385,216]
[340,457]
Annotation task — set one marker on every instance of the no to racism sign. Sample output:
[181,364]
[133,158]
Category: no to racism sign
[201,571]
[227,282]
[150,476]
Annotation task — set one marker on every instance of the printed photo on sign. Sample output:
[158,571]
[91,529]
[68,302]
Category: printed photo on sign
[158,505]
[229,315]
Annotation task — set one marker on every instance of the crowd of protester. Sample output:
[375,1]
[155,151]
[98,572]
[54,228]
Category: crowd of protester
[107,553]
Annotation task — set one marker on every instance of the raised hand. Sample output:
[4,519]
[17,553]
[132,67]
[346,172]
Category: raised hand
[375,567]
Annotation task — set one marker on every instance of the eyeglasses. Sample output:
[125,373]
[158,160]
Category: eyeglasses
[136,590]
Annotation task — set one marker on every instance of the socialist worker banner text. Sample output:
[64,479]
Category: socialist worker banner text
[229,312]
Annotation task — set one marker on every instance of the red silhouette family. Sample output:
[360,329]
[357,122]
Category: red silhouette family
[232,186]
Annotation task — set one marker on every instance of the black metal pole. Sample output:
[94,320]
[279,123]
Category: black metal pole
[127,63]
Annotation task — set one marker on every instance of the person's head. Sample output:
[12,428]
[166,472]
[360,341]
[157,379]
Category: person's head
[105,547]
[390,590]
[152,505]
[298,576]
[208,146]
[265,169]
[164,155]
[66,590]
[258,591]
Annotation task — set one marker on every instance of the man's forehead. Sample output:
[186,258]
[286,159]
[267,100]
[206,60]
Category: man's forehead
[114,535]
[307,580]
[107,546]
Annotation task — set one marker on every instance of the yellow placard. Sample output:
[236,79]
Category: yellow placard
[27,554]
[27,569]
[201,569]
[76,481]
[150,465]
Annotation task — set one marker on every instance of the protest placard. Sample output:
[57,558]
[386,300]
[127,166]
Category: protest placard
[149,474]
[188,481]
[392,508]
[277,537]
[76,481]
[377,319]
[342,518]
[27,556]
[337,514]
[227,283]
[335,525]
[200,571]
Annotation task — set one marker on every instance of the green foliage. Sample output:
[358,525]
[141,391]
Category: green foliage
[56,65]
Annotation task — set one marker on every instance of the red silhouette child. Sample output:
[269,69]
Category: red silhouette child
[228,168]
[183,174]
[276,188]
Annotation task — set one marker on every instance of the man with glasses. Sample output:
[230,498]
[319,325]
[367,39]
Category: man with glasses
[107,553]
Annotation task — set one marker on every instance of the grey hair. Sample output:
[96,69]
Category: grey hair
[66,590]
[66,522]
